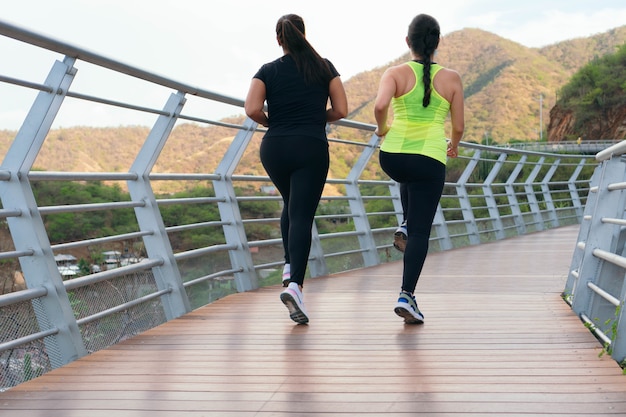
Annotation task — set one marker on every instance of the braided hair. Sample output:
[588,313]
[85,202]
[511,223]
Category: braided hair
[290,33]
[423,38]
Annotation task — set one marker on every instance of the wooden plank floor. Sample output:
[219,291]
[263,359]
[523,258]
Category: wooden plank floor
[497,341]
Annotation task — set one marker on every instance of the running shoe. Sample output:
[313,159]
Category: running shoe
[286,275]
[399,237]
[292,299]
[407,309]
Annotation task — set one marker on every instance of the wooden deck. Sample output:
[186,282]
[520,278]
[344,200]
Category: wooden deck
[497,341]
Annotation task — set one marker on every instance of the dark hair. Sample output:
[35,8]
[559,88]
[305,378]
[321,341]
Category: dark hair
[423,37]
[291,34]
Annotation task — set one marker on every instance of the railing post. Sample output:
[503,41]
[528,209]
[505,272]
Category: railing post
[600,235]
[357,206]
[234,232]
[583,233]
[573,190]
[317,262]
[441,229]
[533,204]
[509,186]
[29,234]
[464,200]
[547,193]
[492,204]
[167,276]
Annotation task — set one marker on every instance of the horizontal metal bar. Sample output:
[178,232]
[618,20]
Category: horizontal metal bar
[192,226]
[250,178]
[211,276]
[261,221]
[269,265]
[194,253]
[608,297]
[264,243]
[608,153]
[189,200]
[340,234]
[64,48]
[117,104]
[16,254]
[81,176]
[23,295]
[143,265]
[189,177]
[616,186]
[4,213]
[621,222]
[610,257]
[100,240]
[122,307]
[27,84]
[73,208]
[27,339]
[344,253]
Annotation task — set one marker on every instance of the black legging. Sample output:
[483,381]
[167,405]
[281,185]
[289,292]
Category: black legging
[298,167]
[422,179]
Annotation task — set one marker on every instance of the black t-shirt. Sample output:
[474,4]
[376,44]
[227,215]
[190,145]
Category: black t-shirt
[294,108]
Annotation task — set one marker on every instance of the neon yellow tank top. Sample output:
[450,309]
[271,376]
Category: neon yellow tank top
[416,129]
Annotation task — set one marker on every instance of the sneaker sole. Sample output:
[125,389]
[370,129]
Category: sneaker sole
[399,241]
[286,282]
[295,313]
[408,316]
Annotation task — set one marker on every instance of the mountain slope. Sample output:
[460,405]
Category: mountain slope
[503,83]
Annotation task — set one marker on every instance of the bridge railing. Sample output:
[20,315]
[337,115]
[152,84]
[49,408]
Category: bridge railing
[491,193]
[595,286]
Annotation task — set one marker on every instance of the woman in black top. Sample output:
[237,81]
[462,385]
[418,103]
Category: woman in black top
[294,150]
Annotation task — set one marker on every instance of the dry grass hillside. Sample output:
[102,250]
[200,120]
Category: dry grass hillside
[503,82]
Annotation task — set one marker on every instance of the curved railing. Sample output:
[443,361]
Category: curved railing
[490,193]
[595,286]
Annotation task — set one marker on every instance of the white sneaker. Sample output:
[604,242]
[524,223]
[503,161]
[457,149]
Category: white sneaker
[294,301]
[286,275]
[399,237]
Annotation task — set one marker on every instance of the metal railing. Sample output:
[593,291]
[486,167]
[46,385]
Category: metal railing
[490,193]
[595,286]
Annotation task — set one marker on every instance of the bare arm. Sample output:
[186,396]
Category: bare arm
[386,90]
[457,113]
[338,101]
[255,102]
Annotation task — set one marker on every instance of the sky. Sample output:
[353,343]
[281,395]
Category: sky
[219,46]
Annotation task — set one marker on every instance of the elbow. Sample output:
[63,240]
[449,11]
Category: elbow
[458,129]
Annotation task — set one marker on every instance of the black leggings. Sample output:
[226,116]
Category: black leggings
[298,167]
[421,181]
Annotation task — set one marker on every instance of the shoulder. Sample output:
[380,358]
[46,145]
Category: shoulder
[398,70]
[448,73]
[332,68]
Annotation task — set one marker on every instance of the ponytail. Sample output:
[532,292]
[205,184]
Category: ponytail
[424,34]
[290,32]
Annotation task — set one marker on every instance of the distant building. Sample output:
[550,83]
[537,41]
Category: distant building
[66,265]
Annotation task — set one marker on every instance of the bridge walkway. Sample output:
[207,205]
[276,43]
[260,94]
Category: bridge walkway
[498,341]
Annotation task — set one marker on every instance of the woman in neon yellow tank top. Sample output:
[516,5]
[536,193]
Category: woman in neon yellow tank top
[414,150]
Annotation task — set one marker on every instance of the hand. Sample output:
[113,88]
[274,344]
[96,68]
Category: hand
[381,133]
[453,150]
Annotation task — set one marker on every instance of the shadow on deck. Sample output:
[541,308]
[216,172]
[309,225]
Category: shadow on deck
[498,341]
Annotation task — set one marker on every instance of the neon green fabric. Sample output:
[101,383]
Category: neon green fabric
[416,129]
